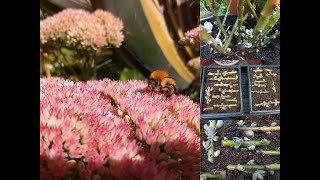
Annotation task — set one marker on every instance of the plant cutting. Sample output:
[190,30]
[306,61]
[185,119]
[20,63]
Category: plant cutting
[269,153]
[237,142]
[246,167]
[211,132]
[247,36]
[260,129]
[216,175]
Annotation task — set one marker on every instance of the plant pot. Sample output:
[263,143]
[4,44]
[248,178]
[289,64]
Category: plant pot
[269,54]
[234,9]
[254,61]
[226,62]
[205,62]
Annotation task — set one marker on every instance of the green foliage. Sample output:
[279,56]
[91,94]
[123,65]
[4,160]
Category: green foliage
[261,3]
[128,74]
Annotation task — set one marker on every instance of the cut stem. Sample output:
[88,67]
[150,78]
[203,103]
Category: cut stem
[231,143]
[224,19]
[208,39]
[240,17]
[260,129]
[268,167]
[211,148]
[252,9]
[215,14]
[265,15]
[269,153]
[234,28]
[218,174]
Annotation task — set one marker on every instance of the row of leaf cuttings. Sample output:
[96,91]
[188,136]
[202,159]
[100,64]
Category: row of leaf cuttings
[220,76]
[260,82]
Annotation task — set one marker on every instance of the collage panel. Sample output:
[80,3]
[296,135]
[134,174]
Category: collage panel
[240,149]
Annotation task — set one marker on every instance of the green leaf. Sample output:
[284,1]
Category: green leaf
[128,74]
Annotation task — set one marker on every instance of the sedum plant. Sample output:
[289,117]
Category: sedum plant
[106,130]
[247,39]
[71,41]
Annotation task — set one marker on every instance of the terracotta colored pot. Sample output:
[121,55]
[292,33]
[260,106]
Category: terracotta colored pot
[205,62]
[234,9]
[254,61]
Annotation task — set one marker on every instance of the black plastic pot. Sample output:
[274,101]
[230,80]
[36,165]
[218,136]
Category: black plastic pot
[206,116]
[260,112]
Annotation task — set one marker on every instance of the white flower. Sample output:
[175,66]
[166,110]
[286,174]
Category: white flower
[251,162]
[257,50]
[271,172]
[228,49]
[207,26]
[273,124]
[245,138]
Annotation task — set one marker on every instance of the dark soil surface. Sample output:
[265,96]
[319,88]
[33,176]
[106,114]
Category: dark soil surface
[269,54]
[270,83]
[231,98]
[236,156]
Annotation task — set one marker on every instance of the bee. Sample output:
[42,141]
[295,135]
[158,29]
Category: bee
[159,81]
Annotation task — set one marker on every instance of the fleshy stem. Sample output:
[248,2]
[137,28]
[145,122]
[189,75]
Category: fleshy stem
[224,20]
[226,45]
[265,15]
[268,167]
[260,129]
[215,14]
[218,174]
[240,17]
[269,153]
[252,9]
[267,40]
[211,148]
[231,143]
[208,39]
[272,21]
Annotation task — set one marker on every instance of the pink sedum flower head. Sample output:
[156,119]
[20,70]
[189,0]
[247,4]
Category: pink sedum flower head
[81,30]
[191,37]
[116,130]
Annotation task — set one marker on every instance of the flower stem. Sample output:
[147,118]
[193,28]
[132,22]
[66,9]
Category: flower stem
[231,143]
[218,174]
[260,129]
[268,167]
[269,153]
